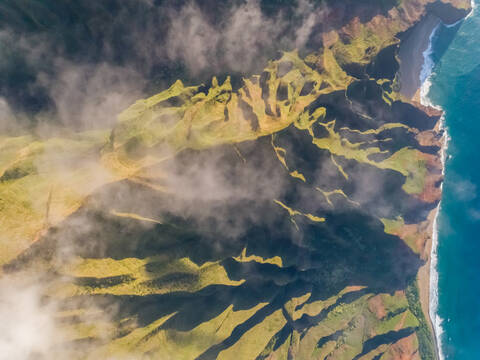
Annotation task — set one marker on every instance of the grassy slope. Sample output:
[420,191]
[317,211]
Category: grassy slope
[39,188]
[143,123]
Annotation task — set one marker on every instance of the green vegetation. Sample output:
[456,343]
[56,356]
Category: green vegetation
[142,276]
[309,174]
[189,117]
[426,344]
[42,182]
[398,227]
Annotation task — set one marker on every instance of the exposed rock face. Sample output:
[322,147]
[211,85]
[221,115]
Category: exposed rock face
[284,219]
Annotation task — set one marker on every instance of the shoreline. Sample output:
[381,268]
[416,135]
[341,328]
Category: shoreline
[416,68]
[429,279]
[415,61]
[427,276]
[432,271]
[413,58]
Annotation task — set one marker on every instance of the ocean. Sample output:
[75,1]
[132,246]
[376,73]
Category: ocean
[452,72]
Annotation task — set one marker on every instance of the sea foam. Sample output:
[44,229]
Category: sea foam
[425,79]
[427,70]
[433,294]
[473,5]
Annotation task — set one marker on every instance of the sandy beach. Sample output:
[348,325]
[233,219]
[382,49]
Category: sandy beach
[411,57]
[410,53]
[423,276]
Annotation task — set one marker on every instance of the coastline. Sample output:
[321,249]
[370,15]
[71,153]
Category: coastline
[428,275]
[432,272]
[413,62]
[415,85]
[417,65]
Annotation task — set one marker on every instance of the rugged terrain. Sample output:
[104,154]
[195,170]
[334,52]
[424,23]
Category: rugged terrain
[283,215]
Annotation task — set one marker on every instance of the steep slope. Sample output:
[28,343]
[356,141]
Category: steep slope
[287,218]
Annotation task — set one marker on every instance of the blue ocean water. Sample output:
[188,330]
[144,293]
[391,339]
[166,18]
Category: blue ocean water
[455,86]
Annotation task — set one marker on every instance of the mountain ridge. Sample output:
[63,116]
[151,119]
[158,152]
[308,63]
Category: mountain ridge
[215,222]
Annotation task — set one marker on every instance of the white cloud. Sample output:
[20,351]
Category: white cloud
[27,329]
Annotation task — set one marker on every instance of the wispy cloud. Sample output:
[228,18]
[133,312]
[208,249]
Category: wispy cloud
[107,75]
[27,328]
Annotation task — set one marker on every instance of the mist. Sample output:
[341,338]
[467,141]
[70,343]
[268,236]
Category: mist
[76,70]
[81,76]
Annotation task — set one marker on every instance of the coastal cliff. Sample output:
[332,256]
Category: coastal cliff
[288,215]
